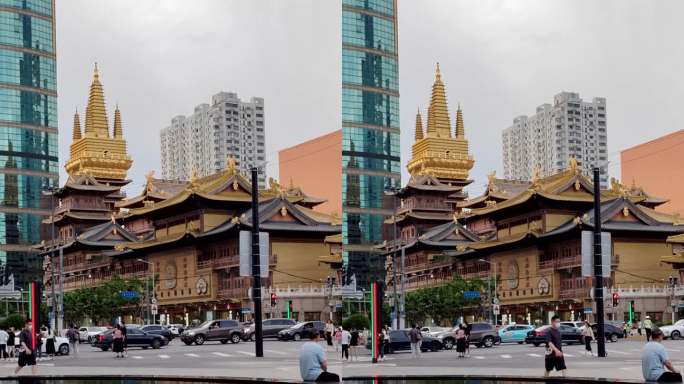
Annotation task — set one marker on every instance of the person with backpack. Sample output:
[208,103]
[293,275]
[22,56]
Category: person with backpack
[73,336]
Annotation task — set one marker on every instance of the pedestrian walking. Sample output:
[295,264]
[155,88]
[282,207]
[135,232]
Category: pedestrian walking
[4,336]
[625,329]
[554,349]
[654,360]
[648,326]
[11,343]
[346,340]
[313,365]
[468,328]
[118,341]
[461,341]
[415,338]
[354,344]
[381,342]
[50,344]
[42,335]
[124,332]
[639,327]
[27,355]
[588,336]
[73,336]
[329,329]
[338,338]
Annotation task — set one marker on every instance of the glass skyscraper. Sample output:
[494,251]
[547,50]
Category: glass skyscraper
[370,131]
[28,131]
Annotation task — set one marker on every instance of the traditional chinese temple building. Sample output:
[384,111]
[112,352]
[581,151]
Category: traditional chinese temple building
[184,235]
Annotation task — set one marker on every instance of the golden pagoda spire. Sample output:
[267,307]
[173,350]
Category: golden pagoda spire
[460,128]
[118,130]
[96,115]
[77,127]
[419,126]
[440,153]
[95,152]
[438,115]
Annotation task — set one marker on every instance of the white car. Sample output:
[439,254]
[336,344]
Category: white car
[61,344]
[674,331]
[87,334]
[433,331]
[176,329]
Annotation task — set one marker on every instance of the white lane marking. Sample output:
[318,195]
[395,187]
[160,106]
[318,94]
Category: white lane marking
[247,353]
[222,354]
[673,350]
[534,355]
[191,355]
[635,350]
[137,357]
[568,355]
[618,352]
[275,352]
[506,356]
[479,357]
[164,356]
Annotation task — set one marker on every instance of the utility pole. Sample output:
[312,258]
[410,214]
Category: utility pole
[598,267]
[53,300]
[392,191]
[256,268]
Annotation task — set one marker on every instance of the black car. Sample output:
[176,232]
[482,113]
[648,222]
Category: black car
[302,330]
[158,330]
[219,330]
[569,335]
[400,341]
[269,327]
[135,337]
[612,332]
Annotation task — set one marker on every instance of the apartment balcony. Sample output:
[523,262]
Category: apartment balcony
[574,293]
[569,262]
[430,265]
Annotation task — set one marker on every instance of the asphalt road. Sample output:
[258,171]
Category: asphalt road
[281,361]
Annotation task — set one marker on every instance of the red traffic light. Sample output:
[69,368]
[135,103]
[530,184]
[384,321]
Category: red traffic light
[273,296]
[616,295]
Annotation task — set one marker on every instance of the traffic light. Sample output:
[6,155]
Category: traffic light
[631,311]
[616,298]
[274,299]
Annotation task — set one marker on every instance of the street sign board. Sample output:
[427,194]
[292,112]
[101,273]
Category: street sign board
[155,310]
[495,309]
[588,253]
[129,295]
[471,294]
[588,310]
[246,253]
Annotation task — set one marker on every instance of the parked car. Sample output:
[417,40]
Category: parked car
[434,331]
[569,335]
[269,328]
[399,341]
[86,334]
[674,331]
[483,335]
[61,345]
[158,330]
[576,324]
[612,332]
[176,329]
[514,333]
[302,330]
[135,337]
[214,330]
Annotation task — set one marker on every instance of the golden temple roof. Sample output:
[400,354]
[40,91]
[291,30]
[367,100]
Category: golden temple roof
[95,152]
[440,153]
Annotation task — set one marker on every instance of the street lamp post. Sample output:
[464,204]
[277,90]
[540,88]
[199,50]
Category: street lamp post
[150,295]
[493,297]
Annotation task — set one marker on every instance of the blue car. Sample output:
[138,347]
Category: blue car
[514,333]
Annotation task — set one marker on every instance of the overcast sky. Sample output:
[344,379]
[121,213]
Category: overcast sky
[500,59]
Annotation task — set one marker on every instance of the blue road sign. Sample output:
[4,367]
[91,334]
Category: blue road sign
[471,294]
[129,295]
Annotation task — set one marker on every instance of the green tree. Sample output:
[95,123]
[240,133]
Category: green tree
[356,321]
[102,303]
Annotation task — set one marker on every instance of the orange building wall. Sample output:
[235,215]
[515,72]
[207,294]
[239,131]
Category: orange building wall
[658,167]
[316,167]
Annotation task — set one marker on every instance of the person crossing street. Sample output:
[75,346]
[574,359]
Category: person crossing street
[73,336]
[415,337]
[648,327]
[554,349]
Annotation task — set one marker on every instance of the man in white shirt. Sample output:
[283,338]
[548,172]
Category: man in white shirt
[313,366]
[345,341]
[3,344]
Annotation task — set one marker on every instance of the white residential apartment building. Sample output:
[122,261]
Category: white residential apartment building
[547,139]
[214,132]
